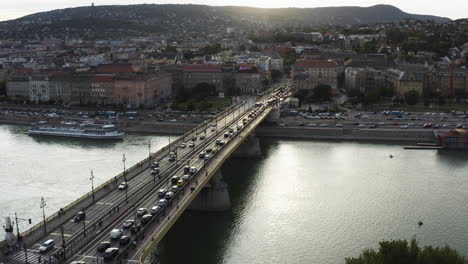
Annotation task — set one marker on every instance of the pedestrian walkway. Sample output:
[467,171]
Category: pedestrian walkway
[32,257]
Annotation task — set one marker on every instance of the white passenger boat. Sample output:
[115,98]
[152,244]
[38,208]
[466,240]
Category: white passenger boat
[74,129]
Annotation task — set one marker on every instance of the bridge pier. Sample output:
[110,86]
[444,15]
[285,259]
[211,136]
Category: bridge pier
[274,116]
[250,148]
[214,197]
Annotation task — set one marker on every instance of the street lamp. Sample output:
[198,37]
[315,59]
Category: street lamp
[123,161]
[149,152]
[125,179]
[91,178]
[43,205]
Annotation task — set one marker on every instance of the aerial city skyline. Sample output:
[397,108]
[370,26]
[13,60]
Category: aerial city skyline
[16,9]
[138,133]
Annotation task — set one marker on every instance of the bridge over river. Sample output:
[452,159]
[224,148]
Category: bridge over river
[155,184]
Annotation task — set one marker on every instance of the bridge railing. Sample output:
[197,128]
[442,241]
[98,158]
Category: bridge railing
[67,212]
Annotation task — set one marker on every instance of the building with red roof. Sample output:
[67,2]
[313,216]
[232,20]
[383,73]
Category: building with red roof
[308,74]
[203,73]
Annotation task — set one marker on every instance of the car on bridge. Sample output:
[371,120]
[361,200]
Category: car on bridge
[174,188]
[128,223]
[79,216]
[169,195]
[123,186]
[185,178]
[172,157]
[162,202]
[183,145]
[155,209]
[146,218]
[193,170]
[162,192]
[124,240]
[155,165]
[180,183]
[110,253]
[192,144]
[46,246]
[201,155]
[116,233]
[186,169]
[103,246]
[202,137]
[155,171]
[174,179]
[141,211]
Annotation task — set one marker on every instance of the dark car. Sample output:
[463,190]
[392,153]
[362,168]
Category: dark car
[79,216]
[128,223]
[103,246]
[110,253]
[124,240]
[135,228]
[174,179]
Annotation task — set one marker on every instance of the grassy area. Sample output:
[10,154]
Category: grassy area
[209,103]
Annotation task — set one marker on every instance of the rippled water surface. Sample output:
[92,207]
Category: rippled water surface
[302,202]
[58,169]
[319,202]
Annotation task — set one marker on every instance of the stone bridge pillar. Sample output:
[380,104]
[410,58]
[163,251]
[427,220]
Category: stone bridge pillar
[214,197]
[250,148]
[274,116]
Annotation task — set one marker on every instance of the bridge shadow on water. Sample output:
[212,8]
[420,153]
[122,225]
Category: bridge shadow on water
[202,237]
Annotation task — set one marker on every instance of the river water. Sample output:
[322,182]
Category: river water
[302,202]
[59,169]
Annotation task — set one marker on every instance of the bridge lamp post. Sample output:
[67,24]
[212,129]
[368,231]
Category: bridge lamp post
[91,178]
[42,206]
[149,152]
[125,179]
[124,171]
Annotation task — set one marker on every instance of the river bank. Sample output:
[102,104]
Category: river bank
[297,132]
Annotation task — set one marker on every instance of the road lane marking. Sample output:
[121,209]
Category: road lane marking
[59,234]
[105,203]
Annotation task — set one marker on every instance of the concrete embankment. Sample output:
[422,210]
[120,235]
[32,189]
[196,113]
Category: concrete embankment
[158,128]
[334,133]
[386,134]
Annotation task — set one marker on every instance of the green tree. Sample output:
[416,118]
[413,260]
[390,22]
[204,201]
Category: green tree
[460,94]
[203,90]
[254,49]
[2,88]
[412,97]
[322,92]
[301,94]
[402,252]
[276,74]
[211,49]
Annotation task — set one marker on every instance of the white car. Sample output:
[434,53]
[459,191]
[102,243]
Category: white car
[123,186]
[339,125]
[141,211]
[116,233]
[193,170]
[183,145]
[162,202]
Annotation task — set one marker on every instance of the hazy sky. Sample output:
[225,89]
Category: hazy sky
[10,9]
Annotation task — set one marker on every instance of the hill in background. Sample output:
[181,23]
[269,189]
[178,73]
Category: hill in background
[137,20]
